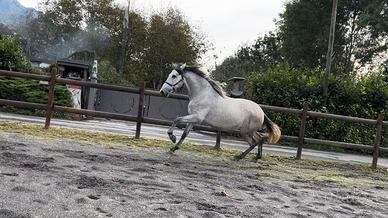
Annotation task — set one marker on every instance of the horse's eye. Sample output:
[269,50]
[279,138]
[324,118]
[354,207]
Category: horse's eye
[173,76]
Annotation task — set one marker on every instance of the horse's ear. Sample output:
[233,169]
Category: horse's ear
[174,65]
[183,66]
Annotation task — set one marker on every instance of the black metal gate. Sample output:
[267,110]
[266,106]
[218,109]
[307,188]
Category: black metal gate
[127,103]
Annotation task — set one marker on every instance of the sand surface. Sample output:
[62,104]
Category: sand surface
[66,178]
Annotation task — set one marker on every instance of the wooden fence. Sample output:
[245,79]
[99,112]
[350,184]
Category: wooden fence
[139,119]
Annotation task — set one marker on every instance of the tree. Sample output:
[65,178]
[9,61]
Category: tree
[96,26]
[64,13]
[361,32]
[11,55]
[170,39]
[263,54]
[233,67]
[63,27]
[134,69]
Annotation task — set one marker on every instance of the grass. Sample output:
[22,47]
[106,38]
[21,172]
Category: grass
[313,171]
[90,136]
[323,171]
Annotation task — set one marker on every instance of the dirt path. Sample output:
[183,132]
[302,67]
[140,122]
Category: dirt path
[66,178]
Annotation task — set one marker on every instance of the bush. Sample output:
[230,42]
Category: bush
[108,74]
[364,97]
[12,56]
[19,89]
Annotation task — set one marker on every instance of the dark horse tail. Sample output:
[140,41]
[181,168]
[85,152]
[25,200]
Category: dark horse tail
[274,132]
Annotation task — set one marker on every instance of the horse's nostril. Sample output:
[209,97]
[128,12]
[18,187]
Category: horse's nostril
[161,92]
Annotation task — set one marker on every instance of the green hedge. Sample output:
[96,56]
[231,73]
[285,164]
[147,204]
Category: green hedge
[364,97]
[31,91]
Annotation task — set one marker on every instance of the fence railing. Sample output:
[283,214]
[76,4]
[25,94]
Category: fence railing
[139,119]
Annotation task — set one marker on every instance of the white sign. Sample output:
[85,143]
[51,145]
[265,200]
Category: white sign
[75,92]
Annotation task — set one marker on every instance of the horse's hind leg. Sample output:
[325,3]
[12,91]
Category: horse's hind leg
[252,145]
[258,138]
[259,150]
[188,128]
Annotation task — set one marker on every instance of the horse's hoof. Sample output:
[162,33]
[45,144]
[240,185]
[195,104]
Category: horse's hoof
[172,137]
[255,159]
[237,158]
[173,149]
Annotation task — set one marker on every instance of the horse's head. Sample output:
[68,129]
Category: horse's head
[174,80]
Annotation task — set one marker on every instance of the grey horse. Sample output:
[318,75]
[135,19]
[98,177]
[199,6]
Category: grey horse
[209,105]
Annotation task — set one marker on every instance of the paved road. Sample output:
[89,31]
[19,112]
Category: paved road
[159,132]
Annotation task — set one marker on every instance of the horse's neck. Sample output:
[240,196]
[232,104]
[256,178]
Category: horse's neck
[197,86]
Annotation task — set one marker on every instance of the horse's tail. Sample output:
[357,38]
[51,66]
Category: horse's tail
[273,130]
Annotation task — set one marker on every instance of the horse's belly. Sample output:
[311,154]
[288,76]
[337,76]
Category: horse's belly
[224,124]
[224,120]
[236,115]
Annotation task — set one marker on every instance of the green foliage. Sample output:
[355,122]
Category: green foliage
[31,91]
[170,39]
[38,70]
[153,41]
[301,39]
[365,97]
[264,53]
[304,29]
[361,33]
[233,67]
[108,74]
[11,55]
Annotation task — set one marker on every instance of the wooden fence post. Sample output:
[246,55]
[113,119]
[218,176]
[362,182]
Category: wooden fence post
[301,133]
[50,101]
[218,141]
[379,127]
[140,110]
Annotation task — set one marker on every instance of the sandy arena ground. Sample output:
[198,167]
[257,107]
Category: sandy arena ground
[67,178]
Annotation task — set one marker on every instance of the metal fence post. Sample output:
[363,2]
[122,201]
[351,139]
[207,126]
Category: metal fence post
[379,127]
[140,110]
[218,141]
[50,101]
[301,133]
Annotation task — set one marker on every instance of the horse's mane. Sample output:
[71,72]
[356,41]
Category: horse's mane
[216,86]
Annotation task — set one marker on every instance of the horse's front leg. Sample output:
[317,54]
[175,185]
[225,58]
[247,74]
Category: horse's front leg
[185,119]
[184,135]
[190,120]
[171,129]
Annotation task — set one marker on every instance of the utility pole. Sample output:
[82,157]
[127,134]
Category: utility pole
[124,42]
[329,55]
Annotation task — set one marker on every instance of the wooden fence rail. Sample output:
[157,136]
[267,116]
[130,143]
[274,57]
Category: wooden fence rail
[139,119]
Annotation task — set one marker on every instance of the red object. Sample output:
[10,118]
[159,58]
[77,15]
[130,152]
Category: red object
[74,86]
